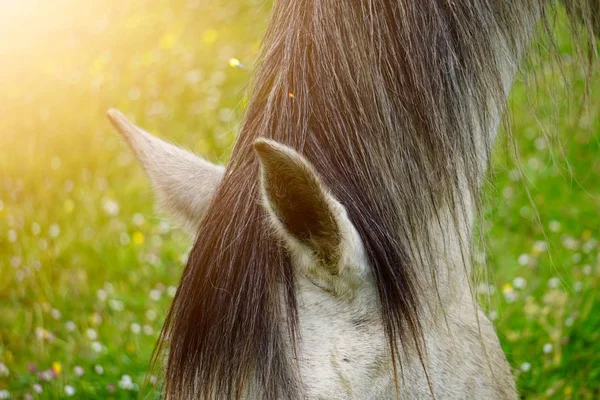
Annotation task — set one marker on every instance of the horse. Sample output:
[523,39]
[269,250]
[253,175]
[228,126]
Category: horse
[333,253]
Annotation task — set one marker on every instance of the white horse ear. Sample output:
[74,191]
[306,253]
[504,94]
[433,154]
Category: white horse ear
[183,182]
[305,214]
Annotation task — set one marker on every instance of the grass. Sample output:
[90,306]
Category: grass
[88,269]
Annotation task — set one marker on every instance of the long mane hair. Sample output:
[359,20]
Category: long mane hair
[374,93]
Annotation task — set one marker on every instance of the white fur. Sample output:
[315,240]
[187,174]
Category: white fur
[344,352]
[184,183]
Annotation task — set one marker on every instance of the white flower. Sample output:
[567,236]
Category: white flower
[46,376]
[36,229]
[124,239]
[70,325]
[152,259]
[102,295]
[95,319]
[56,162]
[589,245]
[164,227]
[194,76]
[155,294]
[525,367]
[4,370]
[37,388]
[519,282]
[127,383]
[540,143]
[97,347]
[151,315]
[69,390]
[135,328]
[540,246]
[16,261]
[138,219]
[40,333]
[548,348]
[54,230]
[511,296]
[99,370]
[134,93]
[569,242]
[116,305]
[523,259]
[554,226]
[68,186]
[4,394]
[91,334]
[78,370]
[553,283]
[507,192]
[56,314]
[111,207]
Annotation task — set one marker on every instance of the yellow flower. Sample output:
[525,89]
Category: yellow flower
[57,367]
[69,206]
[147,59]
[168,41]
[507,287]
[210,36]
[138,238]
[234,62]
[512,336]
[568,390]
[97,66]
[531,308]
[130,347]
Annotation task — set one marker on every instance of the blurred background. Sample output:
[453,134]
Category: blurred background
[88,268]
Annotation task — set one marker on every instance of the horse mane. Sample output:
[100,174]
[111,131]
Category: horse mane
[373,94]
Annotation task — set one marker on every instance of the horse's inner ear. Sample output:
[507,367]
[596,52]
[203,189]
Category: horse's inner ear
[184,183]
[298,202]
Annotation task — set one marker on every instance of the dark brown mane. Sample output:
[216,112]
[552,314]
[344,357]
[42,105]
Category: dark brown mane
[378,108]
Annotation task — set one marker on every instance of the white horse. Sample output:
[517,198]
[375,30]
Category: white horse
[359,325]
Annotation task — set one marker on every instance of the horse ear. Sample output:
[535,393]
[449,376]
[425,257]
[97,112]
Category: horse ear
[183,182]
[305,214]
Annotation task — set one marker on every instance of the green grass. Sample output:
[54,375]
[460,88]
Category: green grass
[88,269]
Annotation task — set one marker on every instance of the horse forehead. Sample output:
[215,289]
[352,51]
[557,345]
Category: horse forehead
[344,352]
[335,323]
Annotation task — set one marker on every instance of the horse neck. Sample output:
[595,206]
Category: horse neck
[453,231]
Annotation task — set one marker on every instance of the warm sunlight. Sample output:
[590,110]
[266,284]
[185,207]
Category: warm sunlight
[355,189]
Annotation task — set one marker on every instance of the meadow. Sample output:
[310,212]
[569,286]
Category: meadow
[88,267]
